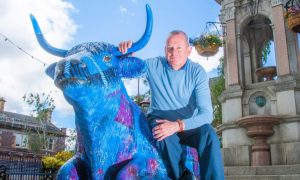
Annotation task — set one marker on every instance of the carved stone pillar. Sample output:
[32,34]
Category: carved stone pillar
[231,47]
[280,38]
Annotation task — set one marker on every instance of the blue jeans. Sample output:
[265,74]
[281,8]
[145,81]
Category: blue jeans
[204,140]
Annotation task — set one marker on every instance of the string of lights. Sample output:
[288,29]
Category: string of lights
[21,49]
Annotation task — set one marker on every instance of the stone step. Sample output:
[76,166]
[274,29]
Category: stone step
[263,170]
[264,177]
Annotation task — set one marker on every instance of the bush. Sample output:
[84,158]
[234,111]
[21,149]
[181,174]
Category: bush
[56,161]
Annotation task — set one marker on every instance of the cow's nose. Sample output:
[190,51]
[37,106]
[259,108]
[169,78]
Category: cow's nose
[78,63]
[75,61]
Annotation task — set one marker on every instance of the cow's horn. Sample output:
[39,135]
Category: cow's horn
[42,41]
[146,36]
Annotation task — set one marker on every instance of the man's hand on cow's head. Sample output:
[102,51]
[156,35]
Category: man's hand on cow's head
[124,46]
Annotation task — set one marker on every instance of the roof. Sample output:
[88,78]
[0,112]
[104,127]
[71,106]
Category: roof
[10,120]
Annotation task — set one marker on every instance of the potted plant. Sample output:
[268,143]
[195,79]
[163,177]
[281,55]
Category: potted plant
[266,73]
[293,16]
[207,44]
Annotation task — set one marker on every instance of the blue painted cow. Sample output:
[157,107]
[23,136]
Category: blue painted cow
[113,137]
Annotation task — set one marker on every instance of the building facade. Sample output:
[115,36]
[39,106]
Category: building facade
[26,134]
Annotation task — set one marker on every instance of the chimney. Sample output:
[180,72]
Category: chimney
[2,103]
[64,131]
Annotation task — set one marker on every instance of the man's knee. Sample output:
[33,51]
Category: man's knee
[208,137]
[208,131]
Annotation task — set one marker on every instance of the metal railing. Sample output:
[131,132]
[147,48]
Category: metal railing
[15,166]
[16,170]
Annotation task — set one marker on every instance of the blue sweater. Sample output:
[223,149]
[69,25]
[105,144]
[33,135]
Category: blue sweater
[179,94]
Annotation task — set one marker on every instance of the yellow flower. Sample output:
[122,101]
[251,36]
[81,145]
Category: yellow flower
[57,160]
[49,162]
[64,155]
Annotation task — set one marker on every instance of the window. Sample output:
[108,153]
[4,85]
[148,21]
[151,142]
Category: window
[49,144]
[21,140]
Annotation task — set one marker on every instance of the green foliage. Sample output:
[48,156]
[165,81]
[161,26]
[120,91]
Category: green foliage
[217,86]
[40,104]
[206,40]
[220,67]
[38,140]
[140,98]
[35,141]
[265,52]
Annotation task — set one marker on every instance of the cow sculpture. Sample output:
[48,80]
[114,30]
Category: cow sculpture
[113,137]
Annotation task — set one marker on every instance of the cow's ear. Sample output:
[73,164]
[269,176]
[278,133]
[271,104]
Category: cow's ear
[50,70]
[131,67]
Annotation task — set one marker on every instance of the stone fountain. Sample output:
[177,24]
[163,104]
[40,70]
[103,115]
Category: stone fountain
[259,127]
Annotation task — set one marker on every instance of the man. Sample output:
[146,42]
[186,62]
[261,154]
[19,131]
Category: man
[180,112]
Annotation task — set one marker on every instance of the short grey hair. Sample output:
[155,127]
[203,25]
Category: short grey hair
[176,32]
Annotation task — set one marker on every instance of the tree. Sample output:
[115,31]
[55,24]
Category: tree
[217,86]
[142,97]
[41,104]
[71,140]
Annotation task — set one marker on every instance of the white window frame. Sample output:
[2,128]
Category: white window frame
[48,144]
[48,148]
[21,140]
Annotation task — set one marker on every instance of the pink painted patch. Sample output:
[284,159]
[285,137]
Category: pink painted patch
[125,116]
[73,174]
[152,165]
[132,171]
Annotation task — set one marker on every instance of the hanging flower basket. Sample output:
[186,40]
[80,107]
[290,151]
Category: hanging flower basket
[293,19]
[294,23]
[207,45]
[207,51]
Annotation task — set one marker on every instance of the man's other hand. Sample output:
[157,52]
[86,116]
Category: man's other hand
[164,128]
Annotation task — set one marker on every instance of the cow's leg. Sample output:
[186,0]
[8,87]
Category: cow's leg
[143,168]
[74,169]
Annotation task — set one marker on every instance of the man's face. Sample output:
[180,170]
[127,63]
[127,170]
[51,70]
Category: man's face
[177,51]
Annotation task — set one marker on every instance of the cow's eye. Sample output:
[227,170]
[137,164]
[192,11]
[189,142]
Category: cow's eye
[106,58]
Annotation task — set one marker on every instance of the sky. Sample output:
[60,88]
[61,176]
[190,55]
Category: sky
[68,23]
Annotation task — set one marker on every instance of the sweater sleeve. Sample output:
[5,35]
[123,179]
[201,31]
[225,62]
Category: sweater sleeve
[203,102]
[151,64]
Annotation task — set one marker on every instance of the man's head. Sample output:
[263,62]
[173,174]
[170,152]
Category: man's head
[177,49]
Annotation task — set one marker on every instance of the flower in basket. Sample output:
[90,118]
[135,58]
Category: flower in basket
[293,18]
[207,44]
